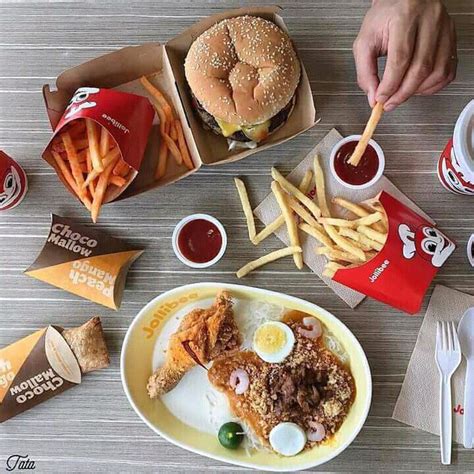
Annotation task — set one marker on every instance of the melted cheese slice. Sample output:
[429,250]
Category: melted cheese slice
[256,133]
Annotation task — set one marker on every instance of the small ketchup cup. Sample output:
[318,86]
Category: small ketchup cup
[377,172]
[199,240]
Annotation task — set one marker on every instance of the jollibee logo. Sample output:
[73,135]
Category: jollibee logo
[427,242]
[164,310]
[454,176]
[10,187]
[80,100]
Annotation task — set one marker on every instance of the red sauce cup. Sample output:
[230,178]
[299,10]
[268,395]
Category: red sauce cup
[199,240]
[369,170]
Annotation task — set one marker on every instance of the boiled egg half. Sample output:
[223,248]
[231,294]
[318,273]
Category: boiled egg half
[273,341]
[287,439]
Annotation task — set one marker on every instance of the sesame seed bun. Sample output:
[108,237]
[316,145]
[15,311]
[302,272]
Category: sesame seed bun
[243,70]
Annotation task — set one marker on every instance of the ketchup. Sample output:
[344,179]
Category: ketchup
[199,241]
[363,172]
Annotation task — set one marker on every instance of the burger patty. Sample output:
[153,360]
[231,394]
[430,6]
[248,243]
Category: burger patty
[275,122]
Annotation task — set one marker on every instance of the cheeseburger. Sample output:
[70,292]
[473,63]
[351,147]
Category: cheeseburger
[243,73]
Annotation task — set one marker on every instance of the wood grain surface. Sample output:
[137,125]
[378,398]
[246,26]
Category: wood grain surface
[92,428]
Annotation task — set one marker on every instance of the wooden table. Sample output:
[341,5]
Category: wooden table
[92,427]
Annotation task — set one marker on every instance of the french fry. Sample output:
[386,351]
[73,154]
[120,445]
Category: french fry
[320,187]
[117,181]
[101,188]
[344,243]
[372,234]
[92,136]
[247,208]
[305,184]
[291,189]
[358,240]
[269,229]
[174,150]
[280,220]
[159,97]
[375,205]
[89,169]
[303,213]
[321,236]
[104,142]
[111,157]
[121,168]
[183,147]
[290,222]
[162,156]
[371,244]
[271,257]
[331,268]
[79,144]
[368,220]
[350,206]
[336,254]
[69,178]
[337,222]
[174,132]
[369,130]
[76,170]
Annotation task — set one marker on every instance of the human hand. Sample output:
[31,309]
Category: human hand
[419,39]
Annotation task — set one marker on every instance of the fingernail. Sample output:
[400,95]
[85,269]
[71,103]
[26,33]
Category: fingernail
[371,98]
[389,107]
[381,98]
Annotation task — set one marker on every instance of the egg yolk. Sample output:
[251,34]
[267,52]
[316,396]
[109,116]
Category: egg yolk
[270,339]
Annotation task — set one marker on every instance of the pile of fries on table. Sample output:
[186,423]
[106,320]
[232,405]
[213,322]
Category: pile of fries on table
[345,243]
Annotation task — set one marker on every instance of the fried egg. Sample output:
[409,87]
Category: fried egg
[287,439]
[273,341]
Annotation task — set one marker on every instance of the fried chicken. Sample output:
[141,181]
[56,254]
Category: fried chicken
[207,333]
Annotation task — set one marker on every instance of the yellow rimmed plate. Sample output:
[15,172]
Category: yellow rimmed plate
[136,365]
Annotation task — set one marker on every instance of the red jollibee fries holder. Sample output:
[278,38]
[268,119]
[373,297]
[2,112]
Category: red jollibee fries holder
[400,274]
[127,117]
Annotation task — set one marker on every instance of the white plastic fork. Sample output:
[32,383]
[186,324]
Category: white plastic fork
[448,358]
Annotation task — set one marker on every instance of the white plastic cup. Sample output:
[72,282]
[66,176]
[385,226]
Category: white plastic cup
[380,155]
[179,227]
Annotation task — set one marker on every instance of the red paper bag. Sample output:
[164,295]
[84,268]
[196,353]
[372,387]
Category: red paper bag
[127,117]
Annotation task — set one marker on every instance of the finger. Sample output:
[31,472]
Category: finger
[399,53]
[446,62]
[365,56]
[421,66]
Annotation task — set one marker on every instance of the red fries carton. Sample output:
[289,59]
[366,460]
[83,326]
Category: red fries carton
[127,117]
[402,271]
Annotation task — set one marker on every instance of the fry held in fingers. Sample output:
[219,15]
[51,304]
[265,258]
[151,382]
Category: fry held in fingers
[369,130]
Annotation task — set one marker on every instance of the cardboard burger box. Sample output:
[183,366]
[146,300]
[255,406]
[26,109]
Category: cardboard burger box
[164,65]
